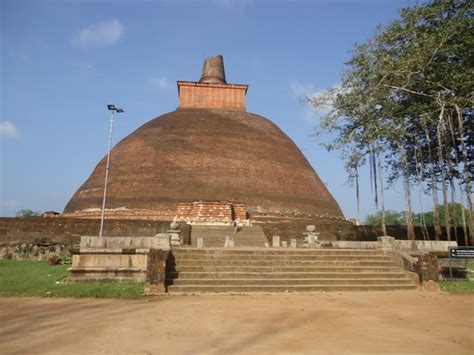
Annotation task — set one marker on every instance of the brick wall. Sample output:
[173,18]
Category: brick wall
[214,96]
[67,231]
[211,211]
[125,214]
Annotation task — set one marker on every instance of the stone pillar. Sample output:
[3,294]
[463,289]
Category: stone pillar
[200,242]
[427,268]
[156,272]
[386,243]
[276,241]
[163,241]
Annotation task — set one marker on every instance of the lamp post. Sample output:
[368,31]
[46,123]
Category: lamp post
[118,110]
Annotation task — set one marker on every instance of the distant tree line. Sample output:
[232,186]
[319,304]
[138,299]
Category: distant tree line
[419,219]
[27,213]
[404,109]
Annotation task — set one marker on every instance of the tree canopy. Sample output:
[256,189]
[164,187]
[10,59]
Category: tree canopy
[404,107]
[27,213]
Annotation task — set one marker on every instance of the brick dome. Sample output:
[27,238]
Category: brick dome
[195,154]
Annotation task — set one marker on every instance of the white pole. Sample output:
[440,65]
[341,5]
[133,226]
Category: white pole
[106,175]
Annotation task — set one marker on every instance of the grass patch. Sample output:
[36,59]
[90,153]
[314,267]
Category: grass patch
[37,278]
[457,286]
[470,266]
[460,286]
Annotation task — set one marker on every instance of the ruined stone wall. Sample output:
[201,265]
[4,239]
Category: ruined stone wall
[294,229]
[35,238]
[124,214]
[211,212]
[370,233]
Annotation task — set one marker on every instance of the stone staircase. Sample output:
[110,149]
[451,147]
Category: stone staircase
[214,236]
[279,270]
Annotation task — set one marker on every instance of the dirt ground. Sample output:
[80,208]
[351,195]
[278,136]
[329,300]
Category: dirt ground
[413,322]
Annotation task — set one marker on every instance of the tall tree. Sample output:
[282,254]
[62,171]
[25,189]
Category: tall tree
[397,99]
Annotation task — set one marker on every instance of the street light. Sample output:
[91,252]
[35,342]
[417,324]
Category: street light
[118,110]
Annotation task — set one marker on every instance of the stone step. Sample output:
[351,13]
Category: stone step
[338,268]
[276,263]
[283,275]
[106,274]
[292,282]
[287,288]
[274,251]
[277,258]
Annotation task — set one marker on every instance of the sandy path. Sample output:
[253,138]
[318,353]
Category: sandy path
[322,323]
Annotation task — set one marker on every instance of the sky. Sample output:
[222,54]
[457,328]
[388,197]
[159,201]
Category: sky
[63,61]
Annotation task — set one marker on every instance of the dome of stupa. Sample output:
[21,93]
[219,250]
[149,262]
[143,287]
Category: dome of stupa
[209,151]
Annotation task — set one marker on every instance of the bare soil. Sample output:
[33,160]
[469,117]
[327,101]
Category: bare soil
[413,322]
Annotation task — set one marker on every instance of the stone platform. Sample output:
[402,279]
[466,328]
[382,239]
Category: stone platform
[140,259]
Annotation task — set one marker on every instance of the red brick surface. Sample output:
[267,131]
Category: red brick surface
[211,211]
[212,155]
[213,96]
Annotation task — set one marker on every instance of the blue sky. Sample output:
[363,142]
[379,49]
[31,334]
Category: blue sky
[63,61]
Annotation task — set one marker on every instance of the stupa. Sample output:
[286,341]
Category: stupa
[210,161]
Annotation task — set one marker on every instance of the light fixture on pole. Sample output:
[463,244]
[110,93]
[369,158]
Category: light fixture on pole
[118,110]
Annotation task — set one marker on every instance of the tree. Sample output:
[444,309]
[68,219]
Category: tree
[407,96]
[391,218]
[456,211]
[27,213]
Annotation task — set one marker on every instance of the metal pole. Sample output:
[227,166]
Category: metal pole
[106,175]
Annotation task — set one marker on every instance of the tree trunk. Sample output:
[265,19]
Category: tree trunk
[419,174]
[466,173]
[434,184]
[450,171]
[382,204]
[461,190]
[406,185]
[442,170]
[357,192]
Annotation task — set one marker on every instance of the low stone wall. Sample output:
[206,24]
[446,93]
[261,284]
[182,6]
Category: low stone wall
[35,238]
[294,229]
[125,214]
[370,233]
[34,251]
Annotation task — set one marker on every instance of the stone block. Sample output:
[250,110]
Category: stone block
[156,271]
[275,241]
[428,268]
[284,244]
[293,243]
[431,286]
[386,243]
[200,242]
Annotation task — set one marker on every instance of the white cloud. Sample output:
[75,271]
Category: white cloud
[8,129]
[161,83]
[99,35]
[303,90]
[309,91]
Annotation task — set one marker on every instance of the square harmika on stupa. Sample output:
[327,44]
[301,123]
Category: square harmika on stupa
[209,162]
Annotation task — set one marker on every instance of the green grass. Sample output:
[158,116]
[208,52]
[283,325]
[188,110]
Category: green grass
[470,266]
[37,278]
[457,286]
[462,286]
